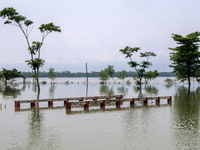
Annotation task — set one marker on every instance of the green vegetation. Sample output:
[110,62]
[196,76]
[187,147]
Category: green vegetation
[122,75]
[139,68]
[169,81]
[150,75]
[51,74]
[110,70]
[10,75]
[13,18]
[104,76]
[90,74]
[185,58]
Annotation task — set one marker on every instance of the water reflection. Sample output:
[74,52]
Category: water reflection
[34,87]
[148,90]
[138,90]
[151,90]
[51,91]
[35,137]
[168,86]
[105,90]
[11,90]
[122,90]
[186,118]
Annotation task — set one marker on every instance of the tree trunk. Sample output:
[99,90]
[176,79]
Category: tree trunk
[37,78]
[113,80]
[189,85]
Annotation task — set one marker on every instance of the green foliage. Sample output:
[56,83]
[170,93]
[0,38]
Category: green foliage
[128,51]
[122,75]
[139,68]
[10,75]
[1,75]
[104,76]
[35,63]
[186,56]
[35,47]
[51,74]
[50,27]
[151,75]
[169,81]
[44,82]
[90,74]
[110,70]
[13,17]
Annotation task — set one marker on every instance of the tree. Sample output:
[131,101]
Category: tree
[122,75]
[10,75]
[186,57]
[104,76]
[139,68]
[169,81]
[51,74]
[110,70]
[20,21]
[150,75]
[1,76]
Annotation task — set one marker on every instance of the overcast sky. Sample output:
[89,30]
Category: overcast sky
[94,31]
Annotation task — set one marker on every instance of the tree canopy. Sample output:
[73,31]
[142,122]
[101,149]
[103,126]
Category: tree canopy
[14,18]
[110,70]
[139,68]
[185,57]
[51,74]
[10,75]
[122,75]
[104,76]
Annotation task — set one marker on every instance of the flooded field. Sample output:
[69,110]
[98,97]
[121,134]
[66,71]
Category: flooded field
[152,127]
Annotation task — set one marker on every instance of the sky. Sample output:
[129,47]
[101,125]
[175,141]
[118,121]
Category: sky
[93,32]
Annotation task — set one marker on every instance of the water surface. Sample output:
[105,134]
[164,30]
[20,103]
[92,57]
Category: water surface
[154,127]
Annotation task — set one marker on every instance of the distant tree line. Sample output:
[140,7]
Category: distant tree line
[90,74]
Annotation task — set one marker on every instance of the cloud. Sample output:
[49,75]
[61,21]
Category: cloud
[94,31]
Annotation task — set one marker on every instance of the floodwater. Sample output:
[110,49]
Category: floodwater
[152,127]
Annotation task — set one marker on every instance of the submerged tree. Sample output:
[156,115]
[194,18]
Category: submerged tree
[51,74]
[169,81]
[14,18]
[110,70]
[186,57]
[104,76]
[139,68]
[122,75]
[150,75]
[11,75]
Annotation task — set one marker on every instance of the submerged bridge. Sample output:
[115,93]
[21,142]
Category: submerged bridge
[85,102]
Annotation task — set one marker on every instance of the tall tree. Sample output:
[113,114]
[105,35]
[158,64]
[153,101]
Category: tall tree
[110,70]
[139,68]
[14,18]
[186,57]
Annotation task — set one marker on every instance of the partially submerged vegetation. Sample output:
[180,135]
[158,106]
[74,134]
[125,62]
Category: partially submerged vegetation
[57,74]
[140,68]
[14,18]
[10,75]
